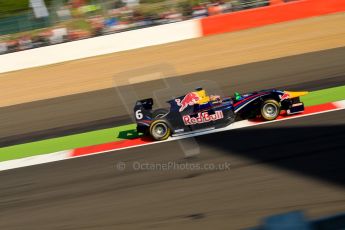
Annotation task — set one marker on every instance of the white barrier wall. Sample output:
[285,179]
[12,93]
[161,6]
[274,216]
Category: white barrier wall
[100,45]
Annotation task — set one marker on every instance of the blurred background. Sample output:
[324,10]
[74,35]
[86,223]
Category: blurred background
[27,24]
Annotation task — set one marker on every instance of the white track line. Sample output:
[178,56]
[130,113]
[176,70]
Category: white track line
[35,160]
[340,104]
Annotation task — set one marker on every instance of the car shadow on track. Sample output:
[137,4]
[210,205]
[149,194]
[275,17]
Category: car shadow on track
[315,151]
[128,134]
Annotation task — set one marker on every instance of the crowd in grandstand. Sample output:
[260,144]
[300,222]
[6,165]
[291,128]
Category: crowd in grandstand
[117,19]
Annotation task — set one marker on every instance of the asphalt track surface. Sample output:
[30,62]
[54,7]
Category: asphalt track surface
[296,164]
[103,108]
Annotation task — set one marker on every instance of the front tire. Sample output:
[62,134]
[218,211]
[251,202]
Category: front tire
[159,130]
[270,110]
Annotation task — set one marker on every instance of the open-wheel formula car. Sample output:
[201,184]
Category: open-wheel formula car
[196,112]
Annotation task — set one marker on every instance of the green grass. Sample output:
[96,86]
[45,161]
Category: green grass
[68,142]
[12,7]
[127,132]
[324,96]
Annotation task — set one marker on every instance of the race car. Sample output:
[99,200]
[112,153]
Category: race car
[197,112]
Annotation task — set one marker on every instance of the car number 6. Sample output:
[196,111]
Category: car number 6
[138,114]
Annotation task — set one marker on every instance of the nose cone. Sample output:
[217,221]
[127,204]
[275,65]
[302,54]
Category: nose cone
[296,94]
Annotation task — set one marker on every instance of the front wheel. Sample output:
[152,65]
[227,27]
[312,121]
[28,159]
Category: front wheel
[270,110]
[159,130]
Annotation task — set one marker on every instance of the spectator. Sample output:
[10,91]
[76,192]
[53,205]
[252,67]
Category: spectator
[12,46]
[25,43]
[225,7]
[97,24]
[199,11]
[77,3]
[3,47]
[64,13]
[58,35]
[214,9]
[40,40]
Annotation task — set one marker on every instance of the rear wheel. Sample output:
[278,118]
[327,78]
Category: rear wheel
[270,110]
[160,130]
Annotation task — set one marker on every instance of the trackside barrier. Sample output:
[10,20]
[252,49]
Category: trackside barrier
[277,12]
[106,44]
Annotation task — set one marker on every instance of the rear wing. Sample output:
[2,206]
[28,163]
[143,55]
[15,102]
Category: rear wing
[143,109]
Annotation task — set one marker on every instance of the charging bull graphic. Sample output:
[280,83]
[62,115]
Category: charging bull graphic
[285,96]
[190,99]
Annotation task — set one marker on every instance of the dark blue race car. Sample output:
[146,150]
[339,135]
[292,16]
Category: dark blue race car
[196,111]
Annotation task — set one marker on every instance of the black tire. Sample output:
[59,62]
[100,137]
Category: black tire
[230,118]
[159,130]
[270,109]
[158,113]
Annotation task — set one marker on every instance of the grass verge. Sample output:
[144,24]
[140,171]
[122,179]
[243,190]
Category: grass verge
[324,96]
[68,142]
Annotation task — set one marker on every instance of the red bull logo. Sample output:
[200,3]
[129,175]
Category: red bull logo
[188,100]
[202,118]
[285,96]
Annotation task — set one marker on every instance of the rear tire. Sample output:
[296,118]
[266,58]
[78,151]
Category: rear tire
[159,130]
[270,109]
